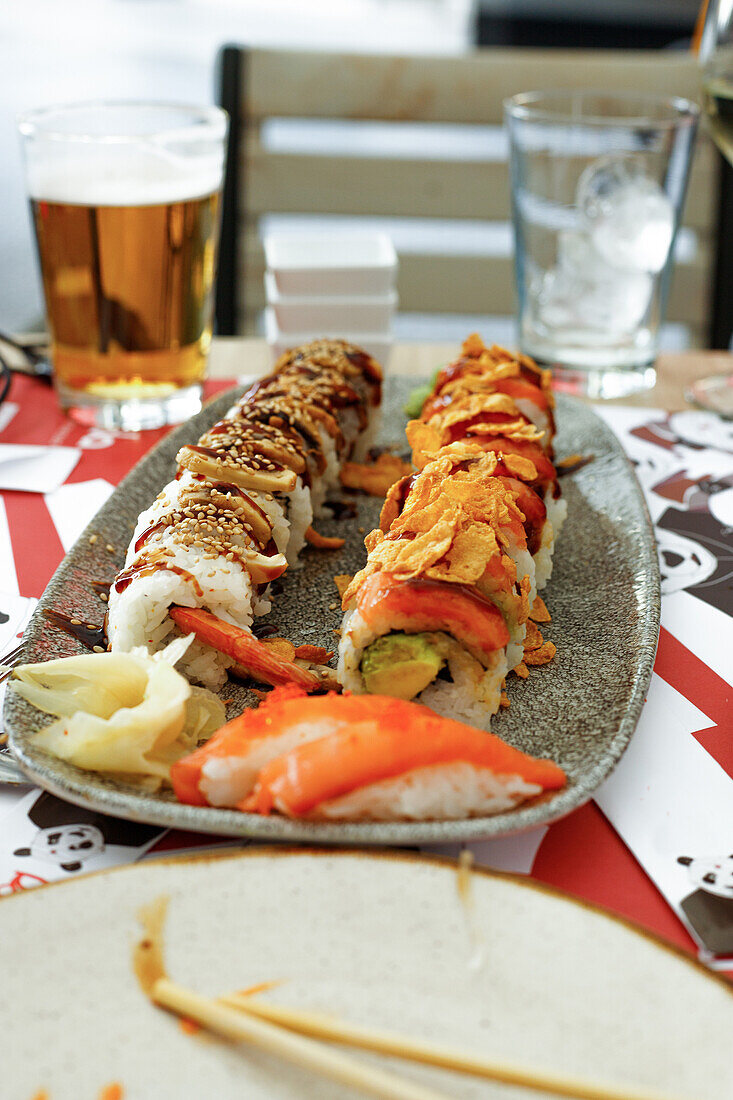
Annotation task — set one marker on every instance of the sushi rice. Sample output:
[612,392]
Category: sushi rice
[435,792]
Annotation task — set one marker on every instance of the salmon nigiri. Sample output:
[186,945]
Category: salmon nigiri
[224,770]
[356,757]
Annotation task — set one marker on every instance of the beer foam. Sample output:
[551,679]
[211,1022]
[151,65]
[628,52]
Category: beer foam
[121,176]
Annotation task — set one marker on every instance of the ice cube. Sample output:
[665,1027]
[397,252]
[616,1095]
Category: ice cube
[584,292]
[626,212]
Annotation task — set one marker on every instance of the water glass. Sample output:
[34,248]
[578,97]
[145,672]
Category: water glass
[598,184]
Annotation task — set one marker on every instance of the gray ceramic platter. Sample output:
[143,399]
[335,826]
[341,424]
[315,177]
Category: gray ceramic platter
[580,710]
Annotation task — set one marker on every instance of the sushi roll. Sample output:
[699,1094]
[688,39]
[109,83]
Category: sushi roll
[240,508]
[496,370]
[202,543]
[356,758]
[503,404]
[439,613]
[361,372]
[484,485]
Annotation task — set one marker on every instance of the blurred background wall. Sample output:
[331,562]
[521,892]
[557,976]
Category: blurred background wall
[55,52]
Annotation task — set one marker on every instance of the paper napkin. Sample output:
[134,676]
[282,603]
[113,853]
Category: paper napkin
[669,799]
[35,469]
[672,804]
[73,506]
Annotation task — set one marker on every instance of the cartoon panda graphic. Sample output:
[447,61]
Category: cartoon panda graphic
[67,845]
[709,909]
[70,835]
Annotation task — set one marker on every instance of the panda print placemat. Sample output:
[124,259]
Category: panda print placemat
[45,839]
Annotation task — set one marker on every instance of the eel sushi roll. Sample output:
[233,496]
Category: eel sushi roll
[357,758]
[255,449]
[241,505]
[343,388]
[360,374]
[201,544]
[321,404]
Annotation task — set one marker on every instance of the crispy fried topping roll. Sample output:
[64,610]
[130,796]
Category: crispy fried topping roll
[439,612]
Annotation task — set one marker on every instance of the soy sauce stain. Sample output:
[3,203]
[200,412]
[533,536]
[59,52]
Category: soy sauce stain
[572,467]
[342,509]
[263,630]
[91,636]
[147,959]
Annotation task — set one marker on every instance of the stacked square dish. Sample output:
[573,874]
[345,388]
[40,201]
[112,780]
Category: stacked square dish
[330,284]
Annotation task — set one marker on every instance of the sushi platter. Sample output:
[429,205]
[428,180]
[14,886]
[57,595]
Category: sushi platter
[560,725]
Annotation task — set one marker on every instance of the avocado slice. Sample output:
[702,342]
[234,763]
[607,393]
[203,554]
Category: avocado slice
[401,665]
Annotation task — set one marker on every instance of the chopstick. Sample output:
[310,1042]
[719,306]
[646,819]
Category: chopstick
[699,28]
[236,1025]
[418,1050]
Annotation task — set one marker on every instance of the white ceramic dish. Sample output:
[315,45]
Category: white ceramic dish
[331,263]
[365,313]
[378,344]
[520,973]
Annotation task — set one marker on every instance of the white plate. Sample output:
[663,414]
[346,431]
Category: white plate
[329,313]
[331,263]
[380,940]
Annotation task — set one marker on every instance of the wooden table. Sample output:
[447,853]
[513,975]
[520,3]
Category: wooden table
[234,355]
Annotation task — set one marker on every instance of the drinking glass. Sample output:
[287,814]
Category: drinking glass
[715,392]
[598,184]
[125,206]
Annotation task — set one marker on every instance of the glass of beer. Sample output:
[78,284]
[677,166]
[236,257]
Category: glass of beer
[125,206]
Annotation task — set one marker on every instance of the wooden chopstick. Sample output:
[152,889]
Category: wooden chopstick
[236,1025]
[699,28]
[418,1050]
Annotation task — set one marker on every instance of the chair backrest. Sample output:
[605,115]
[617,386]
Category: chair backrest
[260,85]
